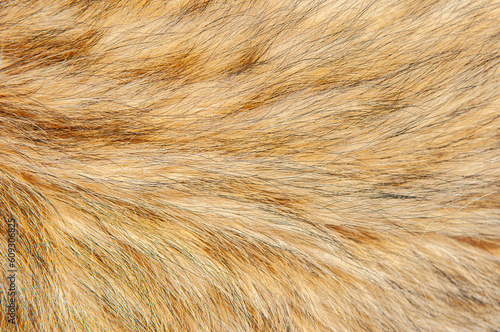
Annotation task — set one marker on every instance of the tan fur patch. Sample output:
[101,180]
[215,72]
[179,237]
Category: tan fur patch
[249,165]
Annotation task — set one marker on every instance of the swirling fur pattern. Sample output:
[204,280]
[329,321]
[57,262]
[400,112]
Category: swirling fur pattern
[291,165]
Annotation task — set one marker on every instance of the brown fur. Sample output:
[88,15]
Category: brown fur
[251,165]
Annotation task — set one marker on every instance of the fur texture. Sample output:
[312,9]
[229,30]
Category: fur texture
[267,165]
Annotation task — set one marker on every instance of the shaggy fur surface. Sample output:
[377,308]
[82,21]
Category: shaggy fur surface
[267,165]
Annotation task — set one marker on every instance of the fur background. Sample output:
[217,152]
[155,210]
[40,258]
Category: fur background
[312,165]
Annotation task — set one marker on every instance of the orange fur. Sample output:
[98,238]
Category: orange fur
[251,165]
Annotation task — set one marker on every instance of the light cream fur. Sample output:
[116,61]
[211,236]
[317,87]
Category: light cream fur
[251,165]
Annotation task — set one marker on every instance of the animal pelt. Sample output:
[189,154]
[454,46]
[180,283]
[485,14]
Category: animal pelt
[266,165]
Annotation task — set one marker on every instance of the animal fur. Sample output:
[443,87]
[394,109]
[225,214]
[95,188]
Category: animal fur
[267,165]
